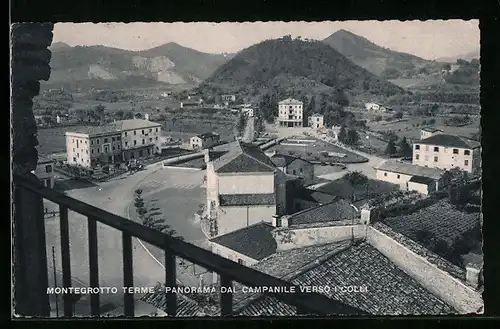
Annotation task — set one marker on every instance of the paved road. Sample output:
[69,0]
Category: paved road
[115,197]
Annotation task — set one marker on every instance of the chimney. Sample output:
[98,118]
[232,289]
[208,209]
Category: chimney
[146,116]
[473,274]
[366,214]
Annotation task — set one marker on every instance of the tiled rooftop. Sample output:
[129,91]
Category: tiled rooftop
[390,291]
[229,200]
[337,210]
[254,241]
[185,306]
[314,196]
[290,101]
[207,135]
[410,169]
[116,127]
[450,141]
[440,219]
[281,160]
[344,189]
[244,158]
[421,180]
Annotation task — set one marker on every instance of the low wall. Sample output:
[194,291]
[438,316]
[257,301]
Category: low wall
[433,272]
[271,143]
[293,238]
[182,158]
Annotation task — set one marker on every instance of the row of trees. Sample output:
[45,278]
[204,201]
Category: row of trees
[152,217]
[403,148]
[348,136]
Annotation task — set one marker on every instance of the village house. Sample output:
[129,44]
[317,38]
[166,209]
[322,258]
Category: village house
[291,165]
[448,152]
[374,107]
[203,141]
[429,131]
[412,177]
[165,143]
[347,246]
[248,111]
[228,99]
[290,113]
[316,121]
[244,187]
[45,171]
[191,102]
[114,142]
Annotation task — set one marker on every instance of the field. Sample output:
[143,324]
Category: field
[410,127]
[312,152]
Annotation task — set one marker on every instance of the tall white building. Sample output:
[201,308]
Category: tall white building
[447,152]
[290,113]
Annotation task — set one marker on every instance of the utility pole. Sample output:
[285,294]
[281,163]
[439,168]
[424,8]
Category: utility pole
[55,279]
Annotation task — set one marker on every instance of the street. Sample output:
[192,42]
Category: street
[116,196]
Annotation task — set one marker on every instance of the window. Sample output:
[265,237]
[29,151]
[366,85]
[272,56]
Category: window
[106,149]
[417,147]
[74,159]
[112,139]
[150,130]
[436,149]
[150,139]
[48,169]
[105,140]
[118,146]
[125,134]
[435,159]
[92,142]
[118,138]
[240,261]
[385,174]
[135,132]
[135,143]
[78,155]
[399,176]
[301,170]
[92,151]
[156,129]
[294,172]
[466,152]
[113,148]
[126,143]
[417,156]
[156,138]
[143,131]
[98,150]
[466,162]
[455,151]
[86,142]
[97,141]
[87,151]
[143,141]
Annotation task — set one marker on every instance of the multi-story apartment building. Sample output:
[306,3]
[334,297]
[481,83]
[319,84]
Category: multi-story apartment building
[448,152]
[316,121]
[139,138]
[115,142]
[290,113]
[89,146]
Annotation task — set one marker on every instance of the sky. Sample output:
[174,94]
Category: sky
[426,39]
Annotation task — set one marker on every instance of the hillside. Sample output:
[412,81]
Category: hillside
[467,56]
[378,60]
[295,68]
[94,66]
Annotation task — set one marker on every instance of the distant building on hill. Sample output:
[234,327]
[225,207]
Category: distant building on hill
[203,141]
[374,107]
[191,101]
[290,113]
[429,131]
[316,121]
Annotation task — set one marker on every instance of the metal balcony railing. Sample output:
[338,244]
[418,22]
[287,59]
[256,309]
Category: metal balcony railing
[229,271]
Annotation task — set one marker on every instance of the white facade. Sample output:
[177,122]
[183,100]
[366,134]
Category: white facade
[374,107]
[435,156]
[290,113]
[428,132]
[248,111]
[87,149]
[316,121]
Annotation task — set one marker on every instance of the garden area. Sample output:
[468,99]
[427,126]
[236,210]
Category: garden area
[318,152]
[97,174]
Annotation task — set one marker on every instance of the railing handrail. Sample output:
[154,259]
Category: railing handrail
[312,302]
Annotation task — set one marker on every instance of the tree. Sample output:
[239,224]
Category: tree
[391,148]
[352,137]
[405,149]
[342,135]
[398,115]
[128,115]
[138,115]
[356,178]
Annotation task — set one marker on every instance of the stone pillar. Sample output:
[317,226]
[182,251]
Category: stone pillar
[30,59]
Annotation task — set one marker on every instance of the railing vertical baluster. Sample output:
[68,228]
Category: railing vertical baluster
[226,298]
[170,281]
[93,266]
[128,274]
[65,259]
